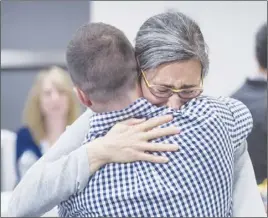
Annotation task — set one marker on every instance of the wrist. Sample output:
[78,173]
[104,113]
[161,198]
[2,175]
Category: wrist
[96,157]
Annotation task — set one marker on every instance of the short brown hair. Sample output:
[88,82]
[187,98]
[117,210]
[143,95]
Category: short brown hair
[101,61]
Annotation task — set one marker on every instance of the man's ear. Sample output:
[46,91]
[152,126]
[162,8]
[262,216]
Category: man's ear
[82,97]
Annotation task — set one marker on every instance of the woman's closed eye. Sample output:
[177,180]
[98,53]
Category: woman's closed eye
[161,89]
[190,91]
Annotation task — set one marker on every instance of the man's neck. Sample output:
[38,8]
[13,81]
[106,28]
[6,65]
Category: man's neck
[261,74]
[264,72]
[118,103]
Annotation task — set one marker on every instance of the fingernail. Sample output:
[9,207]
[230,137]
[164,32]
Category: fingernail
[165,159]
[176,148]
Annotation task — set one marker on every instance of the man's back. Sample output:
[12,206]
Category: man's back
[197,181]
[254,95]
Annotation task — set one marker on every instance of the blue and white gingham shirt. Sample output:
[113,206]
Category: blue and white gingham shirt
[196,182]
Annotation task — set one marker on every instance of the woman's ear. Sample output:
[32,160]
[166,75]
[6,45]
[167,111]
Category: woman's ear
[82,97]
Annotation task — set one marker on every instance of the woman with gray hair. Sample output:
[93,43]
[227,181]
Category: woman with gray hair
[173,60]
[171,52]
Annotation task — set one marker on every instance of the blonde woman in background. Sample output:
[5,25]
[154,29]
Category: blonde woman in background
[50,107]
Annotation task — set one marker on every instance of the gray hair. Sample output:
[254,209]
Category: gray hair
[169,37]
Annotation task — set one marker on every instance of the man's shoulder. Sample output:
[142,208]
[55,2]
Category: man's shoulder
[233,113]
[216,99]
[227,108]
[220,102]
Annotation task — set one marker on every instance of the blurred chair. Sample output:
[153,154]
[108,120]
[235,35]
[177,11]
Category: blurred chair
[5,196]
[8,153]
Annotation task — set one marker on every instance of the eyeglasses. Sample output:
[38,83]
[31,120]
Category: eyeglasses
[165,92]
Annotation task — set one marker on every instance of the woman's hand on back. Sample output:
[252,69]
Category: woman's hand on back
[127,142]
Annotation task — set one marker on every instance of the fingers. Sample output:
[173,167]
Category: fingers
[133,121]
[152,158]
[160,132]
[158,147]
[154,122]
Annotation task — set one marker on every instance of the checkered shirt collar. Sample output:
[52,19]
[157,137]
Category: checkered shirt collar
[139,109]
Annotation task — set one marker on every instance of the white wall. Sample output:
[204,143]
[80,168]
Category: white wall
[228,27]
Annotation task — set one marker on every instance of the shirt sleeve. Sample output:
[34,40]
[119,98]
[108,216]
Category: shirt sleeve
[242,122]
[61,172]
[247,200]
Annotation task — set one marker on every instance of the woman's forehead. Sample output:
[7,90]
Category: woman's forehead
[177,74]
[53,81]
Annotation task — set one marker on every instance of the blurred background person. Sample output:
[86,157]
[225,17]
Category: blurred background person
[253,93]
[50,107]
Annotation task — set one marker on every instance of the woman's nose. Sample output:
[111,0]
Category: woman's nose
[55,96]
[174,102]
